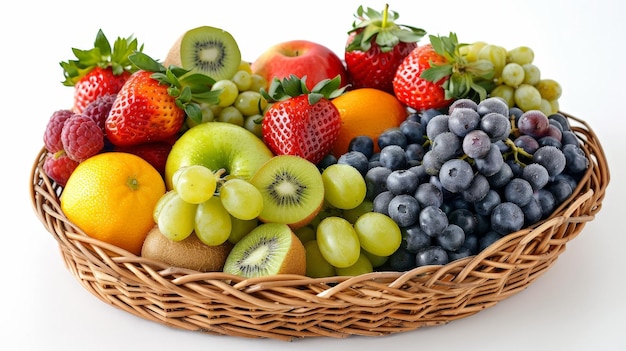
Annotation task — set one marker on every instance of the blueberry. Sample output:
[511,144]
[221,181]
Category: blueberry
[376,181]
[414,131]
[493,104]
[381,202]
[460,253]
[465,219]
[451,238]
[414,152]
[575,159]
[428,194]
[401,260]
[488,239]
[433,220]
[392,136]
[326,161]
[432,255]
[404,210]
[402,181]
[355,159]
[393,157]
[363,144]
[507,218]
[456,175]
[415,238]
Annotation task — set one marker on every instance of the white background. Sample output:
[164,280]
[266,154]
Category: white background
[577,305]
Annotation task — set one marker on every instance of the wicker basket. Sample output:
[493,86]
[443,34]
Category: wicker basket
[289,307]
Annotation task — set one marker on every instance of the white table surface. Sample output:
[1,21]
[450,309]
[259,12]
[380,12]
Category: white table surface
[577,305]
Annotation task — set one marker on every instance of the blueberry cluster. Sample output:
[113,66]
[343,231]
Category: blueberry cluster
[456,181]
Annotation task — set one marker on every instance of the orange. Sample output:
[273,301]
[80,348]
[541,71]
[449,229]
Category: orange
[366,111]
[111,197]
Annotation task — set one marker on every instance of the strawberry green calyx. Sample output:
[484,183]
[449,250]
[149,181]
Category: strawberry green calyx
[381,27]
[292,86]
[465,79]
[189,88]
[101,55]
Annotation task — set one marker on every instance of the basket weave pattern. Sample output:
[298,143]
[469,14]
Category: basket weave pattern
[289,307]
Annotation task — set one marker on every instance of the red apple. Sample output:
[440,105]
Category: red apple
[301,58]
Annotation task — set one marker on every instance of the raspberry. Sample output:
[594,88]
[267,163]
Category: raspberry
[58,166]
[82,138]
[99,109]
[52,135]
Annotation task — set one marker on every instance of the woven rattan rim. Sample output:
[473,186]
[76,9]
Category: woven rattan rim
[290,307]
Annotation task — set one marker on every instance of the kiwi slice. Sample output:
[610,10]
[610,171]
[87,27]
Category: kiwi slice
[208,50]
[269,249]
[190,253]
[292,189]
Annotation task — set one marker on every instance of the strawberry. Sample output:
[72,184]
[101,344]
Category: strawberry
[155,101]
[435,74]
[376,46]
[100,70]
[155,153]
[301,122]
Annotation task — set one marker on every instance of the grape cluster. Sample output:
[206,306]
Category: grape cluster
[517,79]
[216,209]
[456,182]
[240,101]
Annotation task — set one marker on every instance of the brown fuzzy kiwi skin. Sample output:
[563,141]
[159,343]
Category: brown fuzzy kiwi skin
[189,253]
[173,55]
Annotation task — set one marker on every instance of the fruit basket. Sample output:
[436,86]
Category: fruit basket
[289,307]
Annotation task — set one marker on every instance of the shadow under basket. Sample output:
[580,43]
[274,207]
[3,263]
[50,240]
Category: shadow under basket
[288,307]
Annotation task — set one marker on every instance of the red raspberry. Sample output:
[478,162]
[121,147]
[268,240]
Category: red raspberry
[58,166]
[82,138]
[52,135]
[99,109]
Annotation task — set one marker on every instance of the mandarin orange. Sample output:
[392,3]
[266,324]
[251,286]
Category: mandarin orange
[366,111]
[111,197]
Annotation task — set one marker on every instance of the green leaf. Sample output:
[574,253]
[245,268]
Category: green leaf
[194,112]
[436,72]
[146,62]
[210,97]
[185,95]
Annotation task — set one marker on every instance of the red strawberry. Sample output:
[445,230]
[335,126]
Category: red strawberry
[435,74]
[376,46]
[155,153]
[301,122]
[100,70]
[154,102]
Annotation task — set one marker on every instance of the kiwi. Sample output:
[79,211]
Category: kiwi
[208,50]
[189,253]
[269,249]
[292,189]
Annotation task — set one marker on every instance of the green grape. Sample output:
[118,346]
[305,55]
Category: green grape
[254,124]
[354,213]
[240,228]
[496,54]
[195,183]
[545,107]
[175,216]
[344,186]
[471,51]
[549,89]
[555,105]
[230,114]
[512,74]
[521,55]
[257,82]
[532,74]
[505,92]
[242,80]
[305,234]
[361,266]
[207,116]
[378,233]
[241,199]
[212,222]
[159,205]
[376,260]
[316,264]
[527,97]
[250,103]
[338,241]
[229,92]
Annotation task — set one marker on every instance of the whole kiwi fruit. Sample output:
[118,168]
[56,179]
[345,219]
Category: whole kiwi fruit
[189,253]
